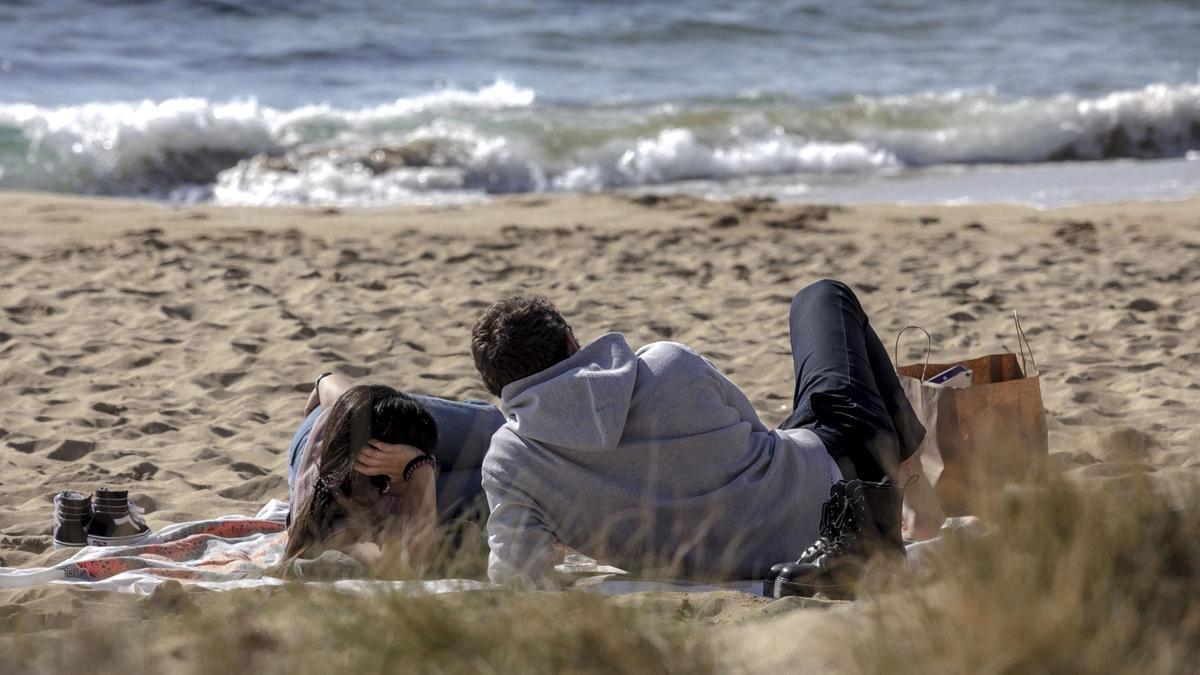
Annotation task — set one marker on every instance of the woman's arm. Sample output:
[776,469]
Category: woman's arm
[418,516]
[328,390]
[398,534]
[409,507]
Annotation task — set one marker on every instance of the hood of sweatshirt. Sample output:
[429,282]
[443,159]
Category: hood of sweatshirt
[580,403]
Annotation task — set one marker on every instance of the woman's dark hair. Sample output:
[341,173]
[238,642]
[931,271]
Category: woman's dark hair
[362,413]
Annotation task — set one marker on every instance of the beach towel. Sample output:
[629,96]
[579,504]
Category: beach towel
[235,551]
[226,549]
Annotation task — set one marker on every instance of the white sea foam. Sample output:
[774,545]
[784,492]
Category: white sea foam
[317,180]
[291,126]
[131,148]
[675,155]
[457,164]
[1154,122]
[154,148]
[454,144]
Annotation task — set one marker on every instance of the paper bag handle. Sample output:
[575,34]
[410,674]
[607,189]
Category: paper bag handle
[1023,344]
[928,348]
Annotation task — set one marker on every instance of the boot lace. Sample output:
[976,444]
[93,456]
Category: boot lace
[849,524]
[831,510]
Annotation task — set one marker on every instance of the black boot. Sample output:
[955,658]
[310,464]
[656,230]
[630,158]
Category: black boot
[72,515]
[864,525]
[831,511]
[116,521]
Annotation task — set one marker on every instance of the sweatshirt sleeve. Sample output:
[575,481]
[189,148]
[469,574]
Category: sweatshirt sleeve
[522,546]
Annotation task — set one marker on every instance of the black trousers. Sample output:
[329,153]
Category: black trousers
[847,391]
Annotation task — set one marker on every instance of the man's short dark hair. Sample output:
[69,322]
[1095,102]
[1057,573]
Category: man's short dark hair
[516,338]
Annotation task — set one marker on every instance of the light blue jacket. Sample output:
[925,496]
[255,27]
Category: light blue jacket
[651,461]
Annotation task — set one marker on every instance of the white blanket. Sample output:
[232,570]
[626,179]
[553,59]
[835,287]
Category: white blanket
[234,551]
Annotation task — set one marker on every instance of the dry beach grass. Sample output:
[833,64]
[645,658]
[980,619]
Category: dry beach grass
[1069,582]
[167,349]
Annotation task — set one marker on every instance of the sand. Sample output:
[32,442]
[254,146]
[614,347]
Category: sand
[170,349]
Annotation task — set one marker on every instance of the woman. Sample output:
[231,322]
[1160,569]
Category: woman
[369,463]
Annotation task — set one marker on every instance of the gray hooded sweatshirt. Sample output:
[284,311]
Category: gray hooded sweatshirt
[648,461]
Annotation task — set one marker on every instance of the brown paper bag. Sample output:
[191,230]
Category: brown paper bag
[978,438]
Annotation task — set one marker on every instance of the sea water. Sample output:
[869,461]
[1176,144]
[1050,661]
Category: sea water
[362,103]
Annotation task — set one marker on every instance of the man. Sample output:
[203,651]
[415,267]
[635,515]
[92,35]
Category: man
[653,460]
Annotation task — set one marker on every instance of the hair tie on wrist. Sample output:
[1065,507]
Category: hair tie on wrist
[317,384]
[417,463]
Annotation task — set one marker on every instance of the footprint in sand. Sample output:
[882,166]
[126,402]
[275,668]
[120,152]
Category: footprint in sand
[103,422]
[725,222]
[26,446]
[303,333]
[247,470]
[438,377]
[26,544]
[248,347]
[185,312]
[155,428]
[138,472]
[1143,305]
[142,293]
[219,379]
[72,292]
[662,330]
[71,450]
[254,490]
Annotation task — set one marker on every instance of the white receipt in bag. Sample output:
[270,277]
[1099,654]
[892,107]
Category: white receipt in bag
[957,377]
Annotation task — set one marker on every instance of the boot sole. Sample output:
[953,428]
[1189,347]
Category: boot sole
[118,541]
[784,588]
[63,544]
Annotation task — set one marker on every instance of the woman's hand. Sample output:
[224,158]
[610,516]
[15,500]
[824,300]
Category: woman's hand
[314,400]
[385,459]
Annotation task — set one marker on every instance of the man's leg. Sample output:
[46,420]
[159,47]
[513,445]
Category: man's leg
[847,391]
[465,431]
[908,425]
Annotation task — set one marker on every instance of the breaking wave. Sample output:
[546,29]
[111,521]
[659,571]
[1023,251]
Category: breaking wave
[459,144]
